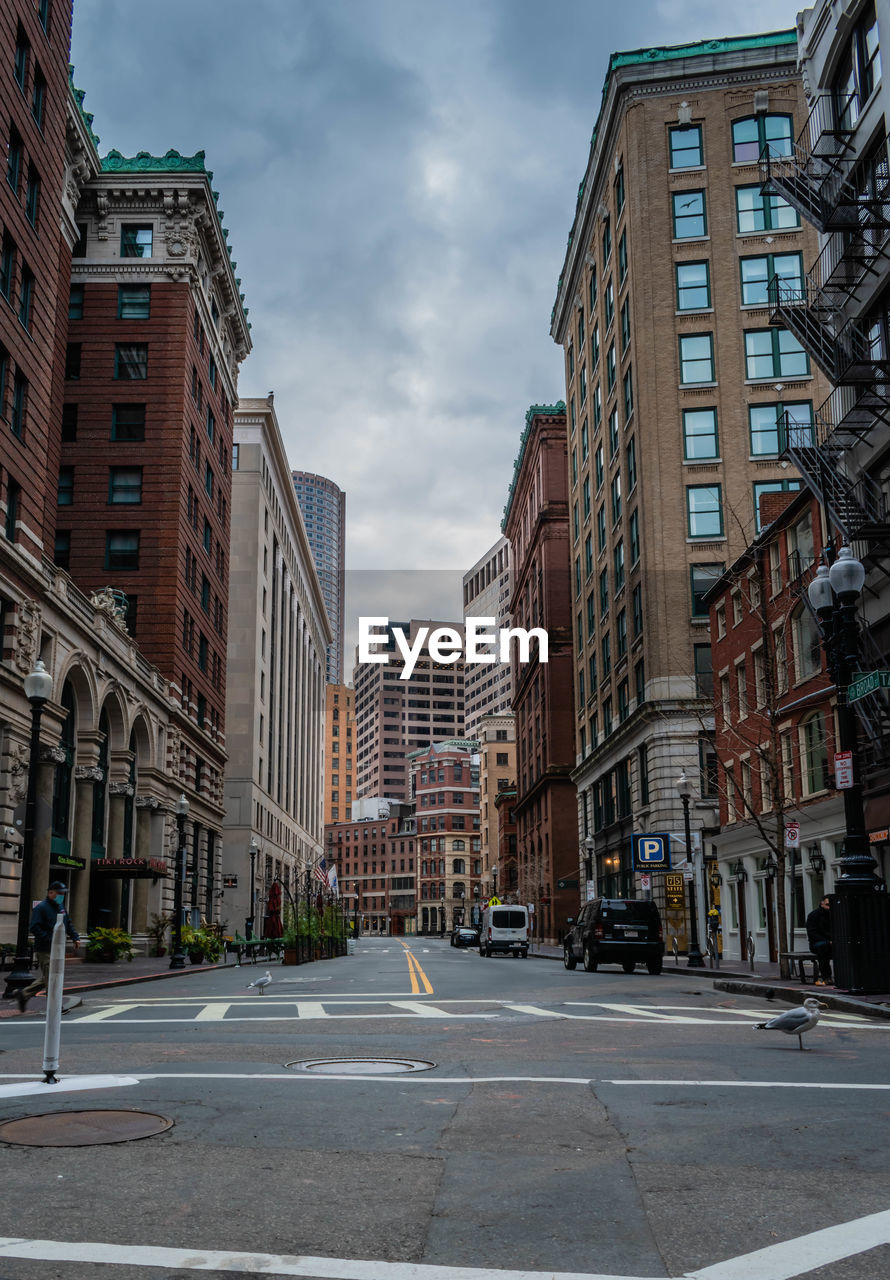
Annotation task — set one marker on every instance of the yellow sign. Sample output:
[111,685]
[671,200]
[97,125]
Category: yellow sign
[673,885]
[494,902]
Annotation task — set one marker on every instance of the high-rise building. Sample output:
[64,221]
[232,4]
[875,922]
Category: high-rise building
[536,521]
[445,784]
[674,422]
[278,633]
[394,716]
[323,505]
[488,685]
[339,749]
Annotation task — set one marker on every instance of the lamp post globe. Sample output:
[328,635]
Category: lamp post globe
[177,959]
[695,959]
[847,574]
[38,690]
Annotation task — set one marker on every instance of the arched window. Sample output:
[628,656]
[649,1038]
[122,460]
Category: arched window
[459,890]
[458,844]
[814,754]
[754,134]
[458,867]
[807,645]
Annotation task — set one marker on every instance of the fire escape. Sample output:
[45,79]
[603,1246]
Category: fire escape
[848,201]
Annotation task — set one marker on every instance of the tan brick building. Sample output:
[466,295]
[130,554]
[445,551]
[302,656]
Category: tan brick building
[496,733]
[672,377]
[339,751]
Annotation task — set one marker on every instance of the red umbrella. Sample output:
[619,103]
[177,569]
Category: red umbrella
[272,926]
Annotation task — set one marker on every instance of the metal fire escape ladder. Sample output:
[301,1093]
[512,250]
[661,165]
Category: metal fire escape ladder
[810,177]
[856,506]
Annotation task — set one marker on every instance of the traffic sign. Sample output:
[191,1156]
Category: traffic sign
[645,882]
[652,851]
[867,682]
[792,835]
[843,770]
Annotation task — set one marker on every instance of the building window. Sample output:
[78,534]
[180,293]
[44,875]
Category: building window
[66,487]
[702,577]
[585,497]
[122,549]
[62,548]
[14,154]
[234,457]
[616,497]
[774,353]
[208,479]
[700,438]
[585,440]
[203,651]
[686,147]
[625,325]
[689,214]
[859,70]
[622,257]
[131,361]
[637,610]
[693,286]
[807,645]
[604,593]
[756,274]
[601,528]
[26,297]
[619,189]
[135,241]
[13,500]
[20,61]
[704,671]
[32,195]
[621,633]
[610,369]
[69,423]
[756,134]
[38,98]
[628,387]
[756,212]
[767,427]
[75,302]
[582,384]
[634,534]
[594,346]
[618,557]
[72,361]
[134,301]
[125,485]
[19,404]
[208,536]
[770,486]
[704,509]
[696,358]
[607,240]
[609,304]
[128,422]
[614,436]
[814,754]
[7,265]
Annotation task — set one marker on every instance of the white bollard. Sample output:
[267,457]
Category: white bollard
[53,1031]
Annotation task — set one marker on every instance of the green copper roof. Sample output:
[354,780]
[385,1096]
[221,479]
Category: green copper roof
[145,162]
[547,410]
[79,95]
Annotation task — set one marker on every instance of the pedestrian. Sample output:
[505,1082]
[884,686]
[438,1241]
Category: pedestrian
[819,938]
[43,921]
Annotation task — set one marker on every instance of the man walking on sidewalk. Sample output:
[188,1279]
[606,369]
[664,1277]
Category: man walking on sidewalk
[819,938]
[43,921]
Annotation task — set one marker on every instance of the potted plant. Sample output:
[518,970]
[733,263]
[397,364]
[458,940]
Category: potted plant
[109,945]
[157,931]
[200,944]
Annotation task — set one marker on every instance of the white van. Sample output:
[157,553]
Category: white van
[504,928]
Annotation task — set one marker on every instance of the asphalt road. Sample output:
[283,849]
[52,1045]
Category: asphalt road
[592,1124]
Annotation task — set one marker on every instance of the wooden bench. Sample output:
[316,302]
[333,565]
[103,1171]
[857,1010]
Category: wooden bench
[792,962]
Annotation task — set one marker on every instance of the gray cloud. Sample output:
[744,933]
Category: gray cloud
[398,179]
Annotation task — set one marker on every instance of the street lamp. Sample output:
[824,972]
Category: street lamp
[695,959]
[38,691]
[860,923]
[177,959]
[248,923]
[589,846]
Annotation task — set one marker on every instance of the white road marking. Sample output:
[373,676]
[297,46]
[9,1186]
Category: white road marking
[784,1261]
[72,1084]
[537,1012]
[102,1014]
[212,1013]
[640,1012]
[750,1084]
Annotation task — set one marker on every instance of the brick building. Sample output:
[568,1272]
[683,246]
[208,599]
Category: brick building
[497,773]
[671,369]
[536,522]
[445,786]
[775,733]
[339,751]
[374,858]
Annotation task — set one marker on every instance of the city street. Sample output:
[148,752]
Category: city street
[571,1123]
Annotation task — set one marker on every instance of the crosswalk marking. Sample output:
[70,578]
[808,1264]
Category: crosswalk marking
[212,1013]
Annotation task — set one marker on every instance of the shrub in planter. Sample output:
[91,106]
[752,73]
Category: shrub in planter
[109,944]
[157,932]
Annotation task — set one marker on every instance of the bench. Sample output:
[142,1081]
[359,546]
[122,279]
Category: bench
[791,962]
[252,948]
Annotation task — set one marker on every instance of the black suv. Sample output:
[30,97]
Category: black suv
[624,931]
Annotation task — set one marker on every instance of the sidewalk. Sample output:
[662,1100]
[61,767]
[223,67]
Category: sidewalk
[764,981]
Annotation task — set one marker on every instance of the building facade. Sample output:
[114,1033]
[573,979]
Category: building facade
[277,639]
[488,688]
[536,522]
[837,177]
[671,370]
[323,505]
[374,857]
[445,786]
[497,773]
[339,751]
[394,717]
[775,735]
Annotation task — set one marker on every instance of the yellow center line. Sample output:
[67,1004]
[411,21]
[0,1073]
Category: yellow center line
[414,968]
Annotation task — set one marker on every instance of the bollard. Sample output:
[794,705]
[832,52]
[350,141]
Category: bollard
[54,986]
[749,944]
[675,947]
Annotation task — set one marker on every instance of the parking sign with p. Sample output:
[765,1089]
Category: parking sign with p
[652,851]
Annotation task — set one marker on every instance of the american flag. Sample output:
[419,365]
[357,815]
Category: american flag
[320,872]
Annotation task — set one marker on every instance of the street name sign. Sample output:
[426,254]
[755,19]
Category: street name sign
[843,770]
[867,682]
[652,851]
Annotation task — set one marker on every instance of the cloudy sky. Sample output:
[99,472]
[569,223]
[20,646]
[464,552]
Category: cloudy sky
[398,179]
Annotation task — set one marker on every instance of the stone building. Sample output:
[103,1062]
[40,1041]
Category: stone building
[497,773]
[339,750]
[445,786]
[488,687]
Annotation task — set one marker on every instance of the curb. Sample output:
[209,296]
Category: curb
[145,977]
[795,995]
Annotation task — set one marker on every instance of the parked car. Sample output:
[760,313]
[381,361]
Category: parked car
[464,935]
[504,928]
[625,931]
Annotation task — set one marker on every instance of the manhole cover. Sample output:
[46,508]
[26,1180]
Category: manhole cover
[82,1128]
[360,1066]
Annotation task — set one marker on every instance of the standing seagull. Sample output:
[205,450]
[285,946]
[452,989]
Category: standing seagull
[794,1022]
[261,983]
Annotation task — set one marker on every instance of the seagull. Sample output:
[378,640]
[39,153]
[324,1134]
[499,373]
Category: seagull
[794,1022]
[261,983]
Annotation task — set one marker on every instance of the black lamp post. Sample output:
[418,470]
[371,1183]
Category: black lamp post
[860,920]
[177,959]
[248,923]
[38,691]
[695,959]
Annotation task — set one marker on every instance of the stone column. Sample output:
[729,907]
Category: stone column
[145,806]
[85,777]
[114,844]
